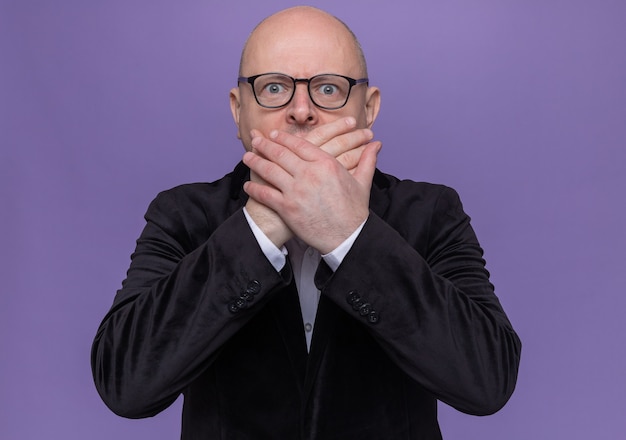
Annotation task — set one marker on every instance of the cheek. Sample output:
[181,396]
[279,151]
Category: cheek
[356,110]
[256,119]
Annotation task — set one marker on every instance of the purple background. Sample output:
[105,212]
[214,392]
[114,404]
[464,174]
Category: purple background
[519,105]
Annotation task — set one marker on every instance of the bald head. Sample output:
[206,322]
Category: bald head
[309,26]
[301,42]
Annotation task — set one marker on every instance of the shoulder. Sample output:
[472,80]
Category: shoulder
[218,194]
[427,215]
[196,208]
[195,193]
[407,194]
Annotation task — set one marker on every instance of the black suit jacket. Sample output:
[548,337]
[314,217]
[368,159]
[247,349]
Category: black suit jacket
[409,317]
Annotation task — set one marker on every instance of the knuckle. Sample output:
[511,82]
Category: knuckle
[279,153]
[302,143]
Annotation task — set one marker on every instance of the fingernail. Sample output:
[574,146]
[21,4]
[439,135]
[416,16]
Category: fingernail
[350,121]
[273,134]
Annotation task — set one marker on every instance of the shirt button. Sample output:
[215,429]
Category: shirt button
[308,327]
[310,252]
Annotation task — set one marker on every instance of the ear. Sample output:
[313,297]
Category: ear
[235,107]
[372,105]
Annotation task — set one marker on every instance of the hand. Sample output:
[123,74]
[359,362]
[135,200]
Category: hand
[311,190]
[266,219]
[339,138]
[342,140]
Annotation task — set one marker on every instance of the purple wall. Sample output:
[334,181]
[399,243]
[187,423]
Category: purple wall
[519,105]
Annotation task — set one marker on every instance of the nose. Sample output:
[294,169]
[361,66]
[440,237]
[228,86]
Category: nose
[301,110]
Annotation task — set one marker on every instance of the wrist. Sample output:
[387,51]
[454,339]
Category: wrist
[269,222]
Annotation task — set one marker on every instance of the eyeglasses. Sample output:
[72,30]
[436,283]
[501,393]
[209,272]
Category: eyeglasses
[327,91]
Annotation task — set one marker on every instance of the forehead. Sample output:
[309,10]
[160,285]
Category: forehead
[301,46]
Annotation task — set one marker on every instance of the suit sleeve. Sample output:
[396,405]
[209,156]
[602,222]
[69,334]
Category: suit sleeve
[424,293]
[180,302]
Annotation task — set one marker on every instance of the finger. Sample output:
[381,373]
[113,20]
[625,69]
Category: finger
[256,178]
[275,153]
[301,147]
[266,170]
[324,133]
[264,194]
[364,173]
[348,141]
[350,159]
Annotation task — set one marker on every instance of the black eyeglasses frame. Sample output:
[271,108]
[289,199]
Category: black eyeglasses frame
[353,82]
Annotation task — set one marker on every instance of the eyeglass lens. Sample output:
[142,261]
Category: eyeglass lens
[276,90]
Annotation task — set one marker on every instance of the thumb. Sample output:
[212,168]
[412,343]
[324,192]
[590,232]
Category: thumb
[364,172]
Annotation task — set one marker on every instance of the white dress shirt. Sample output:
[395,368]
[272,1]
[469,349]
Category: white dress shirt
[304,261]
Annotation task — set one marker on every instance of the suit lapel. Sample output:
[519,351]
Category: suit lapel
[328,313]
[325,322]
[285,308]
[378,194]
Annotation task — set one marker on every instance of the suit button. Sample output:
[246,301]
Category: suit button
[247,296]
[240,303]
[365,309]
[373,317]
[237,305]
[352,296]
[356,304]
[253,287]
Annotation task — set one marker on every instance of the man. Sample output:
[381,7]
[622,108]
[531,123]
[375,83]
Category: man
[306,295]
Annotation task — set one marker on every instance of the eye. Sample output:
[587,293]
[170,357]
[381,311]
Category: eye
[274,88]
[328,89]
